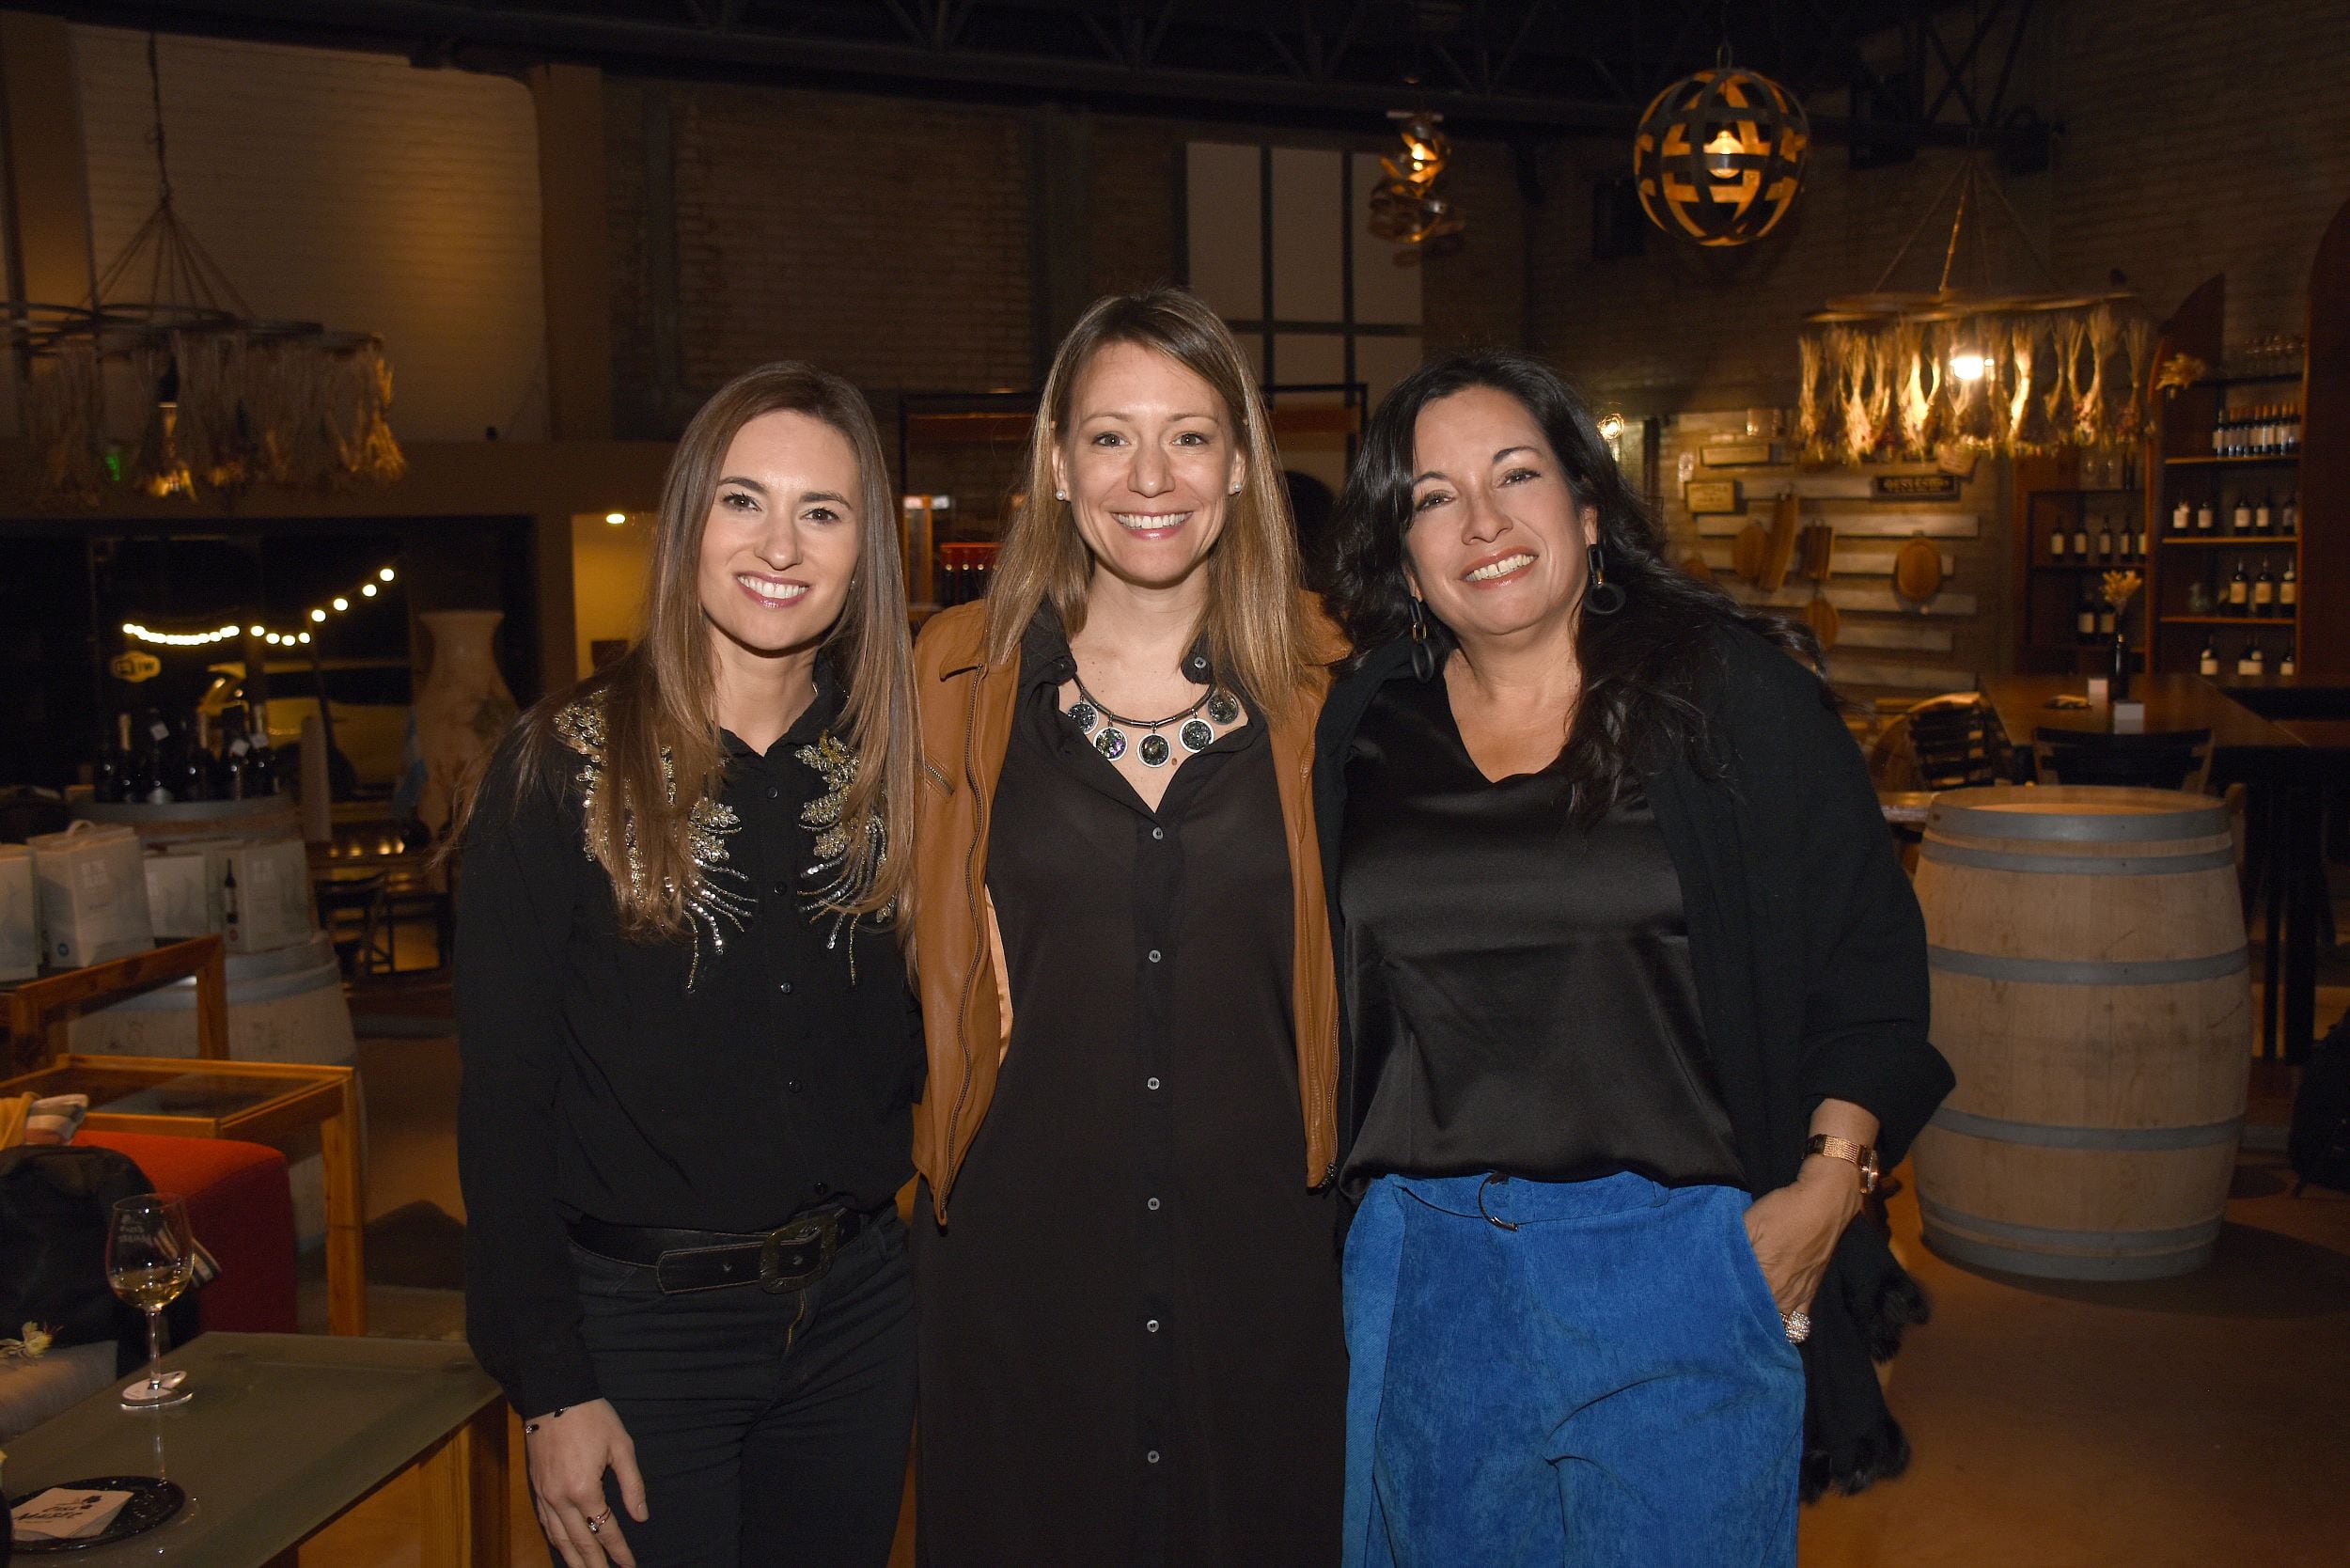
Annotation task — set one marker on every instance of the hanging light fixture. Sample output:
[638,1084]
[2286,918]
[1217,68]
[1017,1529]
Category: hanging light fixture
[1900,373]
[220,398]
[1404,206]
[1719,155]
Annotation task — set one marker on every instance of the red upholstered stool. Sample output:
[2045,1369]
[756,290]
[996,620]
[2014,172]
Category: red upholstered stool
[240,1207]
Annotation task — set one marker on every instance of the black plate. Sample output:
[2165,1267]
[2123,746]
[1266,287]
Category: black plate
[152,1503]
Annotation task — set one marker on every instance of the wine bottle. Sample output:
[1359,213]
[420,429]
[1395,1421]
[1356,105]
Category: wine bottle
[2288,592]
[2264,516]
[2105,619]
[2055,543]
[110,776]
[2240,521]
[2085,618]
[2251,662]
[2208,661]
[2239,590]
[2286,663]
[2289,515]
[2263,592]
[261,760]
[2204,518]
[2182,518]
[153,777]
[2080,539]
[2105,537]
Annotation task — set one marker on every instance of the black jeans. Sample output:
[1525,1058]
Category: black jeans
[769,1428]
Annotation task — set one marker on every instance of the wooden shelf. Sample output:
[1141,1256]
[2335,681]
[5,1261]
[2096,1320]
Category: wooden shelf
[2215,539]
[2230,620]
[2229,462]
[2263,378]
[2138,566]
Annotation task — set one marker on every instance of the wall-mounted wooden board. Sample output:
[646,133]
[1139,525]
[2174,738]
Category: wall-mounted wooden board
[1866,524]
[1863,601]
[1880,673]
[1844,563]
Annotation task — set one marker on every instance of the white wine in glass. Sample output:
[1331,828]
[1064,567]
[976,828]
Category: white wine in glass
[150,1258]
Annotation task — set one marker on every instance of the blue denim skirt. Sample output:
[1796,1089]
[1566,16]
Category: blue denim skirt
[1600,1379]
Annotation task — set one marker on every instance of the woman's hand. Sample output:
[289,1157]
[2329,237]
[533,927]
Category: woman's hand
[569,1454]
[1794,1229]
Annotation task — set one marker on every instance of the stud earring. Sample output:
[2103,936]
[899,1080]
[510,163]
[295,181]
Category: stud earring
[1234,491]
[1061,496]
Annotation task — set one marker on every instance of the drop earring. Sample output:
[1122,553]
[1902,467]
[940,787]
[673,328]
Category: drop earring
[1423,655]
[1601,597]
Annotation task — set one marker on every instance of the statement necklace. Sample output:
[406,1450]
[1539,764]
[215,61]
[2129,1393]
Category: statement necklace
[1108,730]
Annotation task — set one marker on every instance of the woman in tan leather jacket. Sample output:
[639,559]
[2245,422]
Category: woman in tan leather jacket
[1130,1339]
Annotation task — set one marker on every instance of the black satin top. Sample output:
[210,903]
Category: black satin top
[1519,990]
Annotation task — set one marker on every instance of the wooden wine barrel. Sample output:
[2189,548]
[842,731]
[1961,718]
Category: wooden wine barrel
[2092,991]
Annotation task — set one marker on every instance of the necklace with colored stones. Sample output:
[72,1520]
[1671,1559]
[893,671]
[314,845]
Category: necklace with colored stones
[1108,730]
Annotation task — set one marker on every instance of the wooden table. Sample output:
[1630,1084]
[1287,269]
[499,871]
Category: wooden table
[2173,703]
[2283,774]
[36,1030]
[284,1434]
[261,1102]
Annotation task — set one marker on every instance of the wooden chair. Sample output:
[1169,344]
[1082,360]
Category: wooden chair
[2165,759]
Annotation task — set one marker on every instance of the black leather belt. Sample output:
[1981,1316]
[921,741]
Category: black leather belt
[791,1257]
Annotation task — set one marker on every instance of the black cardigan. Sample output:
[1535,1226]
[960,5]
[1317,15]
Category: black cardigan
[1810,959]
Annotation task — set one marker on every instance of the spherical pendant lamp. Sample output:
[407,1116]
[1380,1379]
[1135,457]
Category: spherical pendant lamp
[1719,156]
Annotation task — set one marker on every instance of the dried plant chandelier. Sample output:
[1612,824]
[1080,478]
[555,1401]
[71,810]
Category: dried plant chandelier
[187,391]
[1893,374]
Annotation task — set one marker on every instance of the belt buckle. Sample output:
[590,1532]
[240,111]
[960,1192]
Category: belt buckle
[822,1229]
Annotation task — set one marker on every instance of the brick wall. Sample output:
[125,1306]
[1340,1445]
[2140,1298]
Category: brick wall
[344,188]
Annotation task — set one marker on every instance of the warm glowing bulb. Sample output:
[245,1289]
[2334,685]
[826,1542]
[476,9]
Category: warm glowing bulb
[616,518]
[342,604]
[304,637]
[1721,154]
[318,615]
[386,574]
[1967,365]
[368,590]
[252,631]
[1611,428]
[132,627]
[225,632]
[274,639]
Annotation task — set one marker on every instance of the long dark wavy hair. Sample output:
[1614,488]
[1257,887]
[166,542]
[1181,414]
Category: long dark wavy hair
[1643,666]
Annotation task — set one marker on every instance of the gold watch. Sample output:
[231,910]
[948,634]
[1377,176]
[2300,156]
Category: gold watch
[1860,1155]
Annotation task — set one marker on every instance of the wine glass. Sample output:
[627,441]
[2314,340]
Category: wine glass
[149,1260]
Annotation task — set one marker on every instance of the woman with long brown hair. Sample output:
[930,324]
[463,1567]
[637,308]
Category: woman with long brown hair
[689,1053]
[1130,1338]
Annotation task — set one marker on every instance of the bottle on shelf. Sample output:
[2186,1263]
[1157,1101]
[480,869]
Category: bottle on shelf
[2105,619]
[2252,661]
[2240,520]
[2264,516]
[2085,616]
[2289,515]
[2056,543]
[2203,517]
[2105,537]
[2220,434]
[259,762]
[152,772]
[192,770]
[2080,539]
[2286,663]
[2182,518]
[2239,598]
[2138,539]
[110,776]
[2289,592]
[2263,592]
[2208,661]
[229,913]
[2292,428]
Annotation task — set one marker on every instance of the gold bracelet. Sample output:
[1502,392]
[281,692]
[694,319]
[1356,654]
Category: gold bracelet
[1858,1155]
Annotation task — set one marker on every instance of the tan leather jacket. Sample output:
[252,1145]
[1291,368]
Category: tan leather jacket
[956,952]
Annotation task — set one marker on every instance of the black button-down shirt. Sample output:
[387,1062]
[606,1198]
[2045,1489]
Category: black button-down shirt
[599,1083]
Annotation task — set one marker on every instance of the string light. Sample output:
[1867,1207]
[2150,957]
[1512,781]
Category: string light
[341,603]
[181,639]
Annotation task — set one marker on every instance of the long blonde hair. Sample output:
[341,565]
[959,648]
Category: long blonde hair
[659,698]
[1255,630]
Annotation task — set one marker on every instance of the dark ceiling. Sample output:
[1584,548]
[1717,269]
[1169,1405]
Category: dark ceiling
[1541,68]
